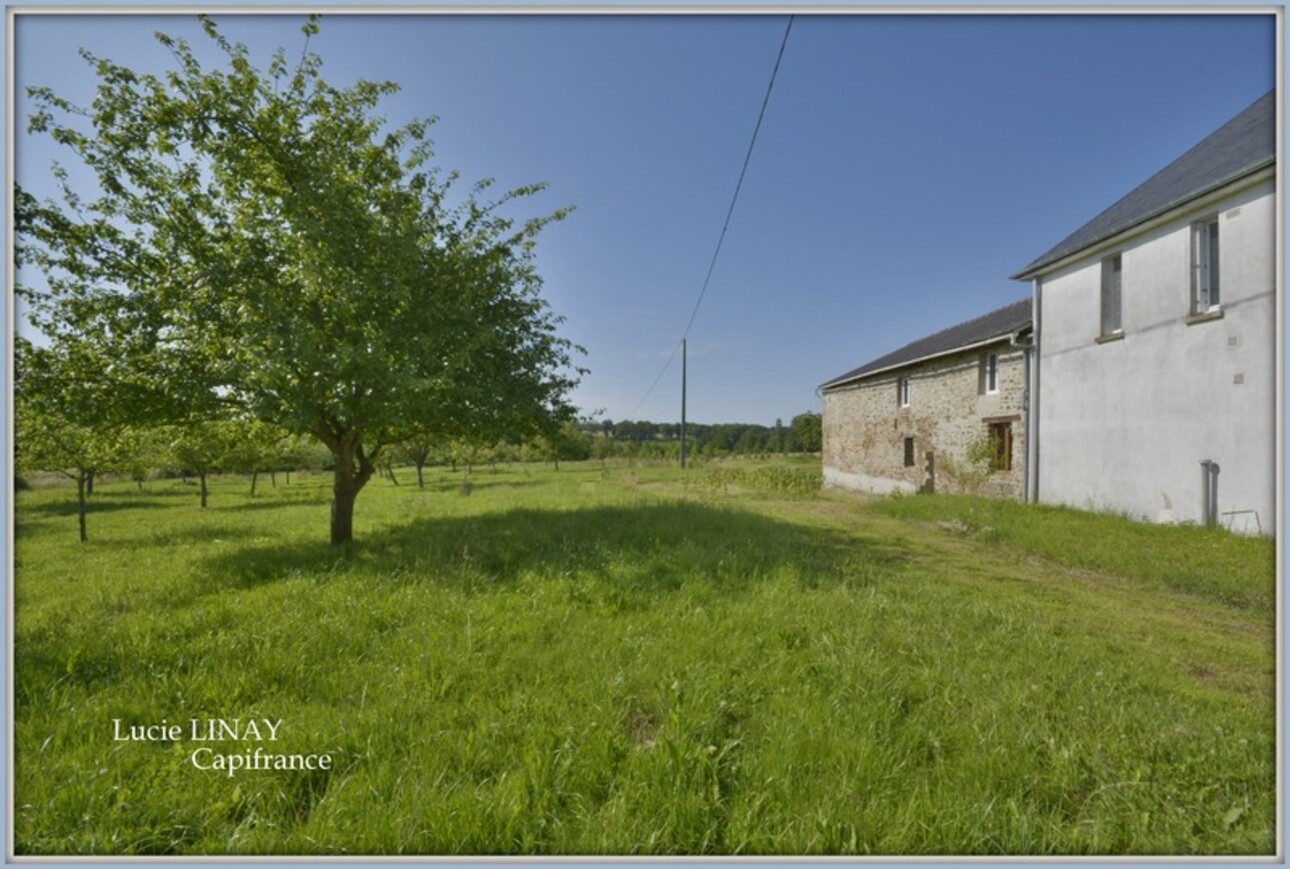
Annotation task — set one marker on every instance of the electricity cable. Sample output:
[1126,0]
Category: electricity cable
[729,213]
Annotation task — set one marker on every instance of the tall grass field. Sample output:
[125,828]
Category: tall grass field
[634,660]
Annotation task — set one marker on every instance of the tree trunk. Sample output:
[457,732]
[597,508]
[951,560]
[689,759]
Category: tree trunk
[421,481]
[273,479]
[255,475]
[89,483]
[342,513]
[201,475]
[349,481]
[390,471]
[80,504]
[288,473]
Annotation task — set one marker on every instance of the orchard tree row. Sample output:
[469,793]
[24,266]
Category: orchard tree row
[256,247]
[50,442]
[46,441]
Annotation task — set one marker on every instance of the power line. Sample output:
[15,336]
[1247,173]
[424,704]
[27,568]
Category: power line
[657,378]
[735,198]
[729,213]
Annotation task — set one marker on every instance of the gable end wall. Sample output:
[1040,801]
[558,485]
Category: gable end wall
[1125,425]
[864,428]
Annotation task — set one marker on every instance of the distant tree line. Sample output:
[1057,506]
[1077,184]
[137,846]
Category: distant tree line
[645,438]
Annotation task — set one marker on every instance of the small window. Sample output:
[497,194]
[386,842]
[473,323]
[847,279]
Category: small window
[1204,266]
[909,452]
[1111,296]
[902,392]
[1000,446]
[990,373]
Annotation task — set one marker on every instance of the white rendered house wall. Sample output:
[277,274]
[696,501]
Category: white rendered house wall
[1125,421]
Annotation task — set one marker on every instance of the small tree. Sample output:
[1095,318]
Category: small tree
[602,447]
[565,441]
[139,450]
[418,450]
[293,453]
[64,422]
[258,243]
[49,443]
[806,433]
[253,447]
[206,447]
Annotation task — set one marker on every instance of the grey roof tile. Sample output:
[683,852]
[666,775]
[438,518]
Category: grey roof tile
[1006,321]
[1243,145]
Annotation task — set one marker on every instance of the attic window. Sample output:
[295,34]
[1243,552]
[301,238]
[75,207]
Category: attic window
[1204,266]
[990,373]
[1112,320]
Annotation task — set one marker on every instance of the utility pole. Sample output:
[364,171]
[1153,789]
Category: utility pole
[683,403]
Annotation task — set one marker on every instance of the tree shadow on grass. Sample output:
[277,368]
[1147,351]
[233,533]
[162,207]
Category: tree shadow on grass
[478,481]
[646,548]
[94,504]
[623,558]
[110,498]
[272,502]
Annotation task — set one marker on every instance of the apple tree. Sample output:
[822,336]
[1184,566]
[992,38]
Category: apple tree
[258,243]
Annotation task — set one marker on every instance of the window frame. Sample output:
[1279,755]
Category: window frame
[902,392]
[910,457]
[999,433]
[1206,266]
[990,373]
[1111,291]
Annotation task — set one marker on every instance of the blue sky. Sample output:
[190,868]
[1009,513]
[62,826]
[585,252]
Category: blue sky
[906,165]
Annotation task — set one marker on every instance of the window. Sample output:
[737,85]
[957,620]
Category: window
[902,392]
[909,452]
[990,373]
[1001,446]
[1204,266]
[1111,296]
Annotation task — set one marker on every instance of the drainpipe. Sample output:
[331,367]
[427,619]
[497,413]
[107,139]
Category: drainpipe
[1032,396]
[1208,492]
[1027,346]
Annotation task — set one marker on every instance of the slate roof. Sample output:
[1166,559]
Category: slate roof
[1243,145]
[998,324]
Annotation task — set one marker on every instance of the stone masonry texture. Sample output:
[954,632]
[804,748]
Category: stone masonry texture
[865,428]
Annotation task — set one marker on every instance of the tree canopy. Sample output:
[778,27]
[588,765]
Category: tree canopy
[259,244]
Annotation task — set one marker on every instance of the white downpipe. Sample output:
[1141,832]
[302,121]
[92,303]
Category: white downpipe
[1031,484]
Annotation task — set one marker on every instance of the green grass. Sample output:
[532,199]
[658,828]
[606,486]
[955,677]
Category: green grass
[1211,563]
[613,660]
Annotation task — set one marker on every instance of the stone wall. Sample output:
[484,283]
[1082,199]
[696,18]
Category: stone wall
[949,411]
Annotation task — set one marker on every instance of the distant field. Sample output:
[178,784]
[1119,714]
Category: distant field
[620,660]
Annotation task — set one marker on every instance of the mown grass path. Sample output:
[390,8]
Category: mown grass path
[612,660]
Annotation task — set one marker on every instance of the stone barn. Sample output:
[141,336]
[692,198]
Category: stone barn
[946,413]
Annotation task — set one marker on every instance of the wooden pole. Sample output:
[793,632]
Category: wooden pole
[683,350]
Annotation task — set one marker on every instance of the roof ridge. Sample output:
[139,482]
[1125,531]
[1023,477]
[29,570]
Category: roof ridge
[1227,163]
[966,323]
[1011,317]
